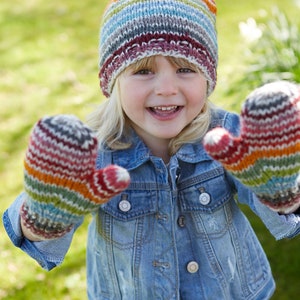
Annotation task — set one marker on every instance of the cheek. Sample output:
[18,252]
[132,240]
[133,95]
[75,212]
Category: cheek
[198,96]
[131,93]
[133,97]
[131,106]
[197,102]
[127,96]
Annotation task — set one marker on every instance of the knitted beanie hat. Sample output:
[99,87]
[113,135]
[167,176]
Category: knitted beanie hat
[135,29]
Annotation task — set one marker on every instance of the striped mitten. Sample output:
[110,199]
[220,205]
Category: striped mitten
[61,183]
[266,155]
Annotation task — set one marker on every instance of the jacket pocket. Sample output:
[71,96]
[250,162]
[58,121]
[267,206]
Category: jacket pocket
[125,221]
[206,201]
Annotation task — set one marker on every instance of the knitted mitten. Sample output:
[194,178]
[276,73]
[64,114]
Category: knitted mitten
[266,155]
[61,183]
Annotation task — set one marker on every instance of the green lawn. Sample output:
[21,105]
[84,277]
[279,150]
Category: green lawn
[48,65]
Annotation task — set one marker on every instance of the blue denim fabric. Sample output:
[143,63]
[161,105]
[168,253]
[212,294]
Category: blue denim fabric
[48,254]
[180,235]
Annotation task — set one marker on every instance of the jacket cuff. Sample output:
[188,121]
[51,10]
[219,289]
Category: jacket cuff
[281,226]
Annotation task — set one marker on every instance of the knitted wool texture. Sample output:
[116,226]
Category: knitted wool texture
[61,182]
[266,155]
[132,30]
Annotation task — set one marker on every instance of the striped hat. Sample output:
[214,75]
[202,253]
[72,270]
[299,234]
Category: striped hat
[135,29]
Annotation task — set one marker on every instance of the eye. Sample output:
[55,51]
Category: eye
[143,72]
[185,70]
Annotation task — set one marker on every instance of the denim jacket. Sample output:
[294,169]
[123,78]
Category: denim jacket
[175,233]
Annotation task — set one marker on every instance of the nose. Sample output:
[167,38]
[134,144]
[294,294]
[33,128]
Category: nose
[166,84]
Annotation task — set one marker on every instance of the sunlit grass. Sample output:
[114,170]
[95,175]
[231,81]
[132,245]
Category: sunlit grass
[272,52]
[233,48]
[48,65]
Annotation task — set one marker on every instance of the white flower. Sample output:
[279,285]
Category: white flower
[250,31]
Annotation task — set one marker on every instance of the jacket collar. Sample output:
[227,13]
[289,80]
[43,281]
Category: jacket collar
[139,153]
[133,157]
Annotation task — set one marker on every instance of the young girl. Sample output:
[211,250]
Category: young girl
[175,232]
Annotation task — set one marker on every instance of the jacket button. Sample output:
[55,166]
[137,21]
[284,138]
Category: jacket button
[204,198]
[124,206]
[181,221]
[192,267]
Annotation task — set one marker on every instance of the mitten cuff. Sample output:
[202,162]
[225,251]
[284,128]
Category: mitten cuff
[285,205]
[43,229]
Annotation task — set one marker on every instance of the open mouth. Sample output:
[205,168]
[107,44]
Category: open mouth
[165,112]
[165,109]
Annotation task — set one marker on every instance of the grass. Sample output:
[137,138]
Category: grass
[273,51]
[48,65]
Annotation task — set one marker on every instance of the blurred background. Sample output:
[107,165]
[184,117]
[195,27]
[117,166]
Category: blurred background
[48,65]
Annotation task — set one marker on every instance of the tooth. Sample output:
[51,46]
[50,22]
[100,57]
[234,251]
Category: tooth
[165,108]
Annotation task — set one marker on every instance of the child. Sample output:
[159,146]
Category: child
[174,232]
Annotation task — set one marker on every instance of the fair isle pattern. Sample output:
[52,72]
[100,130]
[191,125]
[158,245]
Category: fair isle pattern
[132,30]
[60,179]
[266,156]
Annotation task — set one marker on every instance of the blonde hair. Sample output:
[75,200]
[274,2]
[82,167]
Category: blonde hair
[113,127]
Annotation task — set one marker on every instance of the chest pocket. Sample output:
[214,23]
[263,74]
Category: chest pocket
[125,221]
[208,199]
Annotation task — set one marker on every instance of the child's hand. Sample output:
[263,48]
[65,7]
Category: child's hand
[266,155]
[61,182]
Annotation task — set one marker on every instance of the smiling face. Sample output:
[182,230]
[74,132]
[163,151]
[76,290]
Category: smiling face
[160,97]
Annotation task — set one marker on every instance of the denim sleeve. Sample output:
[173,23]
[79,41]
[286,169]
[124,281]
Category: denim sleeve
[48,254]
[280,226]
